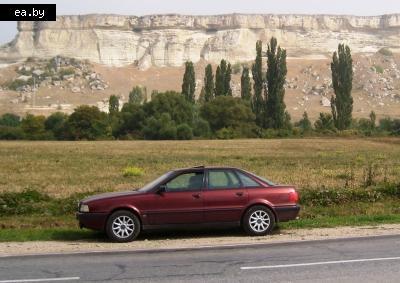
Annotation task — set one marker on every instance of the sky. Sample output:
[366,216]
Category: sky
[209,7]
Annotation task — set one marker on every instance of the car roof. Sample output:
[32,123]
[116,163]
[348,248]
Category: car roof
[206,167]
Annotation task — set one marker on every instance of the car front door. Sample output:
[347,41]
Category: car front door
[224,196]
[181,201]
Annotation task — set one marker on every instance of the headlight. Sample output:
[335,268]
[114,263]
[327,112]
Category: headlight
[84,208]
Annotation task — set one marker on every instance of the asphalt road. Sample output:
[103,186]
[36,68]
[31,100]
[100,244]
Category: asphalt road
[374,259]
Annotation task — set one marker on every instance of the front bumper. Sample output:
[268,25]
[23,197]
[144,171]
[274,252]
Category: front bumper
[95,221]
[286,213]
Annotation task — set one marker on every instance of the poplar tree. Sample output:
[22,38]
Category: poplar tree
[208,83]
[223,79]
[275,115]
[189,82]
[258,85]
[245,91]
[342,81]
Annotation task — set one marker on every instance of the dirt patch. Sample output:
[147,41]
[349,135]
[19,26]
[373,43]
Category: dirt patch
[146,243]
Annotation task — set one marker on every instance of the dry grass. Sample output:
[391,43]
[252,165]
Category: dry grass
[62,168]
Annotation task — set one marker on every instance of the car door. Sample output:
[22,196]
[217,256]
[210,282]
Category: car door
[224,196]
[181,202]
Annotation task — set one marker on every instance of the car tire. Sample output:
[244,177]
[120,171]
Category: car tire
[123,226]
[258,220]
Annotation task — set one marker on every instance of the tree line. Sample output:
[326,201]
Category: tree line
[260,111]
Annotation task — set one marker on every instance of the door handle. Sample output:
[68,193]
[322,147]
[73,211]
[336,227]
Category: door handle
[196,195]
[239,194]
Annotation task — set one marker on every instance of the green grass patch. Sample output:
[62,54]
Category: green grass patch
[132,171]
[49,234]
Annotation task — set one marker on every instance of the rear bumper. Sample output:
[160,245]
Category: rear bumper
[95,221]
[286,213]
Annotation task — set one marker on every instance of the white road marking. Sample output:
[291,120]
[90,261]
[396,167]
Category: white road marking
[40,280]
[319,263]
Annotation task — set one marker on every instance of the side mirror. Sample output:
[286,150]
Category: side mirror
[161,189]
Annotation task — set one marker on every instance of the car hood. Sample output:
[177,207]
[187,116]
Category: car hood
[111,195]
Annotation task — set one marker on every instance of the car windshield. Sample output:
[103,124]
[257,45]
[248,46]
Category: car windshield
[151,185]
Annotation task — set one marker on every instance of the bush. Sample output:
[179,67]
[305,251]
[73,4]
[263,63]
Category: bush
[162,128]
[55,123]
[378,69]
[331,196]
[11,133]
[132,171]
[87,123]
[184,132]
[227,112]
[385,52]
[202,129]
[325,123]
[236,68]
[10,120]
[16,84]
[225,134]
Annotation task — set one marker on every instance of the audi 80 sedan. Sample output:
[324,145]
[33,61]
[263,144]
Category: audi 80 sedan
[195,196]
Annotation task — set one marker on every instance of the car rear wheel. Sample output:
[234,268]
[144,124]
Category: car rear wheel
[122,226]
[258,221]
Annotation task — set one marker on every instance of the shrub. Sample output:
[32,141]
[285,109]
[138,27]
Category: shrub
[325,123]
[87,123]
[201,128]
[236,68]
[162,128]
[184,132]
[132,171]
[11,133]
[378,69]
[16,84]
[385,52]
[225,134]
[227,112]
[10,120]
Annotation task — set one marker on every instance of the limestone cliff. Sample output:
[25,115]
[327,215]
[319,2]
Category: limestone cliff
[170,40]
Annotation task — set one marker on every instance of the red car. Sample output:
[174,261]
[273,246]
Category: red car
[198,195]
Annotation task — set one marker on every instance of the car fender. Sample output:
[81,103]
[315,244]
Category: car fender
[127,207]
[260,202]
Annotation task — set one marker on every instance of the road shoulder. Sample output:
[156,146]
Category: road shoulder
[144,244]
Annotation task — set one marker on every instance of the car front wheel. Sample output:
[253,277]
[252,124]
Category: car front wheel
[258,221]
[122,226]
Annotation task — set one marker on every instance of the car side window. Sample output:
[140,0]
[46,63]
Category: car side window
[222,179]
[186,182]
[246,180]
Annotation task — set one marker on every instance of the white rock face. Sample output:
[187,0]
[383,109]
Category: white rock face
[170,40]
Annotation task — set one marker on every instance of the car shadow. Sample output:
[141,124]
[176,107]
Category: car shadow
[84,235]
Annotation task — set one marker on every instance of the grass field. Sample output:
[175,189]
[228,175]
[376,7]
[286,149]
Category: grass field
[63,169]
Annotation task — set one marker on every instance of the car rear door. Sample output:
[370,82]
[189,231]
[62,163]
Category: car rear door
[181,202]
[224,196]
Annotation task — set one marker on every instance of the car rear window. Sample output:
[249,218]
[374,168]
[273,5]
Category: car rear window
[247,181]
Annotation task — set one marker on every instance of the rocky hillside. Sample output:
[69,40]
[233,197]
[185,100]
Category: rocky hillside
[170,40]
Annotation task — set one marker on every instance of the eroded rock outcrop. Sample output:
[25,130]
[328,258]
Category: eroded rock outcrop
[170,40]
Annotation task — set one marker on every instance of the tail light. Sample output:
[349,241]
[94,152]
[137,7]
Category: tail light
[293,196]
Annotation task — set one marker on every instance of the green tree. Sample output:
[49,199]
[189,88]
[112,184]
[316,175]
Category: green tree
[245,90]
[55,123]
[137,95]
[304,124]
[131,120]
[223,79]
[160,128]
[113,105]
[189,82]
[177,107]
[33,127]
[342,81]
[325,123]
[10,120]
[275,108]
[184,132]
[87,123]
[258,86]
[228,112]
[208,83]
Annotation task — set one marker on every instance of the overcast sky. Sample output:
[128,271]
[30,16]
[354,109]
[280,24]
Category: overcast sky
[208,7]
